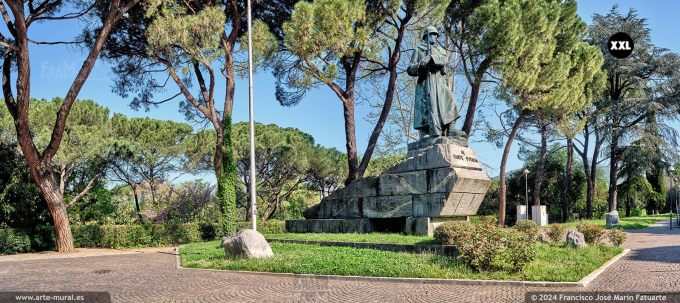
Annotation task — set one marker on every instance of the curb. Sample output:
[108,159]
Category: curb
[581,283]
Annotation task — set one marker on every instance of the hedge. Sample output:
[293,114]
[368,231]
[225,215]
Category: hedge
[41,238]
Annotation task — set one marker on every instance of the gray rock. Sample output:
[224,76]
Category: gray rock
[612,218]
[246,243]
[575,238]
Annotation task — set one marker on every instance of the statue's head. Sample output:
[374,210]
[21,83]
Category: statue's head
[430,34]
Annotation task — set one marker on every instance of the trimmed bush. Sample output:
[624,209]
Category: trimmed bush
[616,236]
[267,227]
[592,232]
[520,249]
[483,245]
[555,232]
[528,227]
[123,236]
[208,231]
[478,245]
[488,219]
[14,241]
[453,233]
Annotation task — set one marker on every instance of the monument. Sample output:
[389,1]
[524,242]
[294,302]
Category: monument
[440,180]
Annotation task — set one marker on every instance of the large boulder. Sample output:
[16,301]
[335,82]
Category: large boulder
[612,218]
[246,243]
[575,238]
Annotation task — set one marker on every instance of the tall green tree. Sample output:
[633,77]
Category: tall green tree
[642,86]
[192,43]
[282,163]
[147,152]
[543,65]
[84,148]
[18,16]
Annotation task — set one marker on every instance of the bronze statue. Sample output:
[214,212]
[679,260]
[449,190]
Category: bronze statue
[434,109]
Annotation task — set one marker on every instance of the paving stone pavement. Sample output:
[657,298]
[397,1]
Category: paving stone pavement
[652,265]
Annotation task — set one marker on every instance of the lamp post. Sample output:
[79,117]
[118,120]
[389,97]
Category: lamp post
[677,196]
[671,171]
[526,190]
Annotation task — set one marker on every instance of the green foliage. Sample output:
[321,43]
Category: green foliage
[226,180]
[266,227]
[485,244]
[478,245]
[528,227]
[541,60]
[616,236]
[14,241]
[556,232]
[21,203]
[176,29]
[452,233]
[551,263]
[520,249]
[592,232]
[124,236]
[282,163]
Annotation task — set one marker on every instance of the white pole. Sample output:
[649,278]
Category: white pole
[253,209]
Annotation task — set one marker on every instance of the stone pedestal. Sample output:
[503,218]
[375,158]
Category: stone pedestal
[612,218]
[522,213]
[540,215]
[441,180]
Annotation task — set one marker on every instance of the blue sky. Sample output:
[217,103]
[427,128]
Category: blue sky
[320,113]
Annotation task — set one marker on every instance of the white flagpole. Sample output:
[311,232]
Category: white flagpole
[253,209]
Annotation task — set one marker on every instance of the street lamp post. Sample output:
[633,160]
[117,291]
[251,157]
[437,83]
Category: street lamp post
[671,170]
[526,190]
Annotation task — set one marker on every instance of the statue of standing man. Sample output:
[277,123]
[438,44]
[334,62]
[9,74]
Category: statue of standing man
[434,108]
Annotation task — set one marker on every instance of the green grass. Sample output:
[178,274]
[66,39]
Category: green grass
[553,263]
[627,223]
[363,238]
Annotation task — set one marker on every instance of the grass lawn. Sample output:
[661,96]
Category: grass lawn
[553,263]
[628,223]
[363,238]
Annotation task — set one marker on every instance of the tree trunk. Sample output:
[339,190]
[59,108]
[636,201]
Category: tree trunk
[592,178]
[476,86]
[350,141]
[55,203]
[389,97]
[566,185]
[538,179]
[613,171]
[504,161]
[225,170]
[137,209]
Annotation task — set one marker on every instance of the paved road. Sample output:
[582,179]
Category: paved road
[151,276]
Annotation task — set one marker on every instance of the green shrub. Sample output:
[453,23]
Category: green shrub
[616,236]
[14,241]
[555,232]
[528,227]
[208,231]
[478,245]
[267,227]
[42,238]
[488,219]
[86,235]
[520,249]
[592,232]
[453,233]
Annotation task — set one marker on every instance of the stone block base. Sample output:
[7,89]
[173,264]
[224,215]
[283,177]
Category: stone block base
[328,226]
[424,226]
